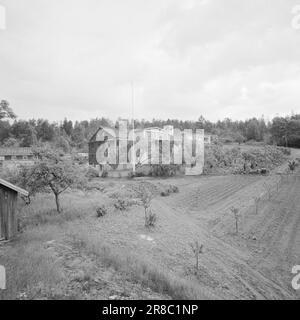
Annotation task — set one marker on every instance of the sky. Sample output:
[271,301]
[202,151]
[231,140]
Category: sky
[216,58]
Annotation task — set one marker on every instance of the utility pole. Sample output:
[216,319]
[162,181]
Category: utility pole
[133,133]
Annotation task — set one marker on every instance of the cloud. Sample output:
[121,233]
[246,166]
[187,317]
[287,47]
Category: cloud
[77,58]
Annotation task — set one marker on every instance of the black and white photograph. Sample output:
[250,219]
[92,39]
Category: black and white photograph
[149,152]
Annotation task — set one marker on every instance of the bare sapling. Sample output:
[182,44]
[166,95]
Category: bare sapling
[197,250]
[268,189]
[235,212]
[146,198]
[278,183]
[256,203]
[292,166]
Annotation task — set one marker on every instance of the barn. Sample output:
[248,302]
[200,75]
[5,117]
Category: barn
[8,200]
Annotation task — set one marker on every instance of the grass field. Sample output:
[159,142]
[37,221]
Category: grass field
[76,255]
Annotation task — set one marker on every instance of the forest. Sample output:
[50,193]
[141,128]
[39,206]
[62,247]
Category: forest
[68,135]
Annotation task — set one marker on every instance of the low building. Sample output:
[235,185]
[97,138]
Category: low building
[12,157]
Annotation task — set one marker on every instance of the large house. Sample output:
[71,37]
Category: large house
[13,157]
[152,151]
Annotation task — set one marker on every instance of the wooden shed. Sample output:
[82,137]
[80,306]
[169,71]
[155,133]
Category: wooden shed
[8,200]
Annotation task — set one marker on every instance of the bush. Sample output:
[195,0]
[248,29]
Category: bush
[101,211]
[285,151]
[123,205]
[151,219]
[81,182]
[169,190]
[156,170]
[292,165]
[104,174]
[131,175]
[159,170]
[173,189]
[92,173]
[236,161]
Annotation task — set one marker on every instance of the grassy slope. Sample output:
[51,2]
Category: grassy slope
[113,253]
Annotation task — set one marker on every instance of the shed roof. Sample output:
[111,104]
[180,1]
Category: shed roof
[15,151]
[13,187]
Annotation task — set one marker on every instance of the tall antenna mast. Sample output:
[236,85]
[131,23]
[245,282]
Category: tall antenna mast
[133,128]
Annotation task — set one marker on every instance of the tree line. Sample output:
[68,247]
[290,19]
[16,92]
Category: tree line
[67,135]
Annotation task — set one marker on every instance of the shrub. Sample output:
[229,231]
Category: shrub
[286,151]
[234,160]
[104,174]
[92,173]
[235,212]
[159,170]
[256,204]
[197,250]
[150,219]
[122,204]
[173,189]
[131,175]
[292,165]
[101,211]
[169,190]
[146,196]
[268,189]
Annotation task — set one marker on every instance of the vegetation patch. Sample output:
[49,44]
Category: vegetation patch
[142,271]
[237,161]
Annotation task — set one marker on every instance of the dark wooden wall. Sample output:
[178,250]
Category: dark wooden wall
[8,201]
[93,147]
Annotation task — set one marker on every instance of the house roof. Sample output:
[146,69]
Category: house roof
[15,152]
[13,187]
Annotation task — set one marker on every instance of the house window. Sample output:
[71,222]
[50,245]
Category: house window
[7,157]
[19,157]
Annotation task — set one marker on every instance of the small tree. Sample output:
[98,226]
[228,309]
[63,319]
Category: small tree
[278,183]
[256,203]
[151,219]
[235,212]
[6,111]
[197,250]
[239,138]
[268,188]
[292,165]
[146,198]
[50,171]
